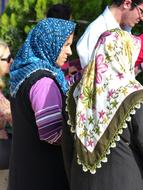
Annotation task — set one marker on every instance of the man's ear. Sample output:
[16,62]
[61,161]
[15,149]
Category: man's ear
[127,4]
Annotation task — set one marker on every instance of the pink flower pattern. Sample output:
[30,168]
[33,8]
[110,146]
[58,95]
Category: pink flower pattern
[101,114]
[120,76]
[90,143]
[110,93]
[100,68]
[102,38]
[82,117]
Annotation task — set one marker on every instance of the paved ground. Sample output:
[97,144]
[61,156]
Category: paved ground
[3,179]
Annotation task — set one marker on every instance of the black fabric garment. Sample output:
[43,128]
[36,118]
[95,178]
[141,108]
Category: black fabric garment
[5,149]
[34,164]
[67,145]
[124,169]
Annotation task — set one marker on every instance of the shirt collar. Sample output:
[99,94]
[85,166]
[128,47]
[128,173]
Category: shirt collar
[113,23]
[108,16]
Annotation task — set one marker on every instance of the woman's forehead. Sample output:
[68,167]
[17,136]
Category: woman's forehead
[3,51]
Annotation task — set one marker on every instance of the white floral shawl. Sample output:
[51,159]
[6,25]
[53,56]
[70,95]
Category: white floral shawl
[103,100]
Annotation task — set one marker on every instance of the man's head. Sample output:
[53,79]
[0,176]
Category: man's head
[60,11]
[120,2]
[128,13]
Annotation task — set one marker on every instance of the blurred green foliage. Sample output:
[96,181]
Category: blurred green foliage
[18,19]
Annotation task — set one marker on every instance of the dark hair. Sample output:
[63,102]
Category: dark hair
[120,2]
[62,11]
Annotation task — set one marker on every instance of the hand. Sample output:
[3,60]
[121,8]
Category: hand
[3,134]
[72,70]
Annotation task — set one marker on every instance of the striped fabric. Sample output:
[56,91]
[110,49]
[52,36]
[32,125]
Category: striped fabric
[46,102]
[49,122]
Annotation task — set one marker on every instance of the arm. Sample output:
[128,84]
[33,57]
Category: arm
[88,40]
[46,102]
[140,56]
[5,111]
[5,116]
[85,45]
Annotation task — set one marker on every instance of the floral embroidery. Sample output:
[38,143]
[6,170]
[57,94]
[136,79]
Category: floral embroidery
[107,81]
[98,101]
[101,114]
[90,142]
[101,68]
[120,76]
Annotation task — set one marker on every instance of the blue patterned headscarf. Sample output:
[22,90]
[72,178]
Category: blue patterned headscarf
[40,52]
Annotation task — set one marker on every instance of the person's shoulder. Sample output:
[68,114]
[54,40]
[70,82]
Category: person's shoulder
[43,85]
[96,25]
[44,81]
[141,36]
[98,21]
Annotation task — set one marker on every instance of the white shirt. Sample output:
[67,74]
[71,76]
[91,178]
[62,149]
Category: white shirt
[87,42]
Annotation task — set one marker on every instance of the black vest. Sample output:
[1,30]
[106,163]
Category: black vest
[34,164]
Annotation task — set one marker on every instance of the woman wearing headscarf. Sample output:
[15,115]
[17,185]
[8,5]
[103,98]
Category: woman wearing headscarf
[38,88]
[106,117]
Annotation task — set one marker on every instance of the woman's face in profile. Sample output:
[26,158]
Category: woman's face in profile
[5,61]
[65,51]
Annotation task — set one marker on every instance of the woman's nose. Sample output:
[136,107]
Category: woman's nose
[69,51]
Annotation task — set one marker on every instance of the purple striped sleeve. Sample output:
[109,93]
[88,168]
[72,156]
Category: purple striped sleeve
[46,102]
